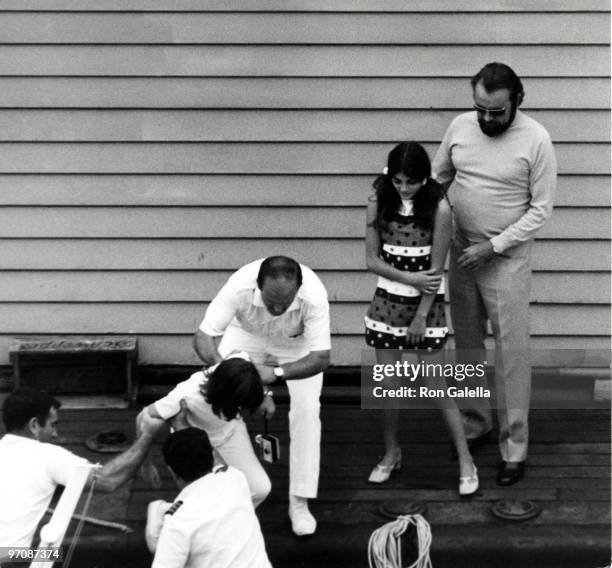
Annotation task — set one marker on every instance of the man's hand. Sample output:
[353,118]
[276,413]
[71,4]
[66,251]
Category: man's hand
[179,421]
[148,425]
[425,281]
[270,360]
[267,407]
[416,329]
[266,373]
[477,255]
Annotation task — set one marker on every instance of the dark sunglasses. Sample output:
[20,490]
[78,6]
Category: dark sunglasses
[491,111]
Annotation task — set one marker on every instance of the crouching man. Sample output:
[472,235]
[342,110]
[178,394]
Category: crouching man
[212,523]
[32,466]
[277,311]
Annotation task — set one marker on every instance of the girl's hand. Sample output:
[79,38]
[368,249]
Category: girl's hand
[267,407]
[416,329]
[267,374]
[425,281]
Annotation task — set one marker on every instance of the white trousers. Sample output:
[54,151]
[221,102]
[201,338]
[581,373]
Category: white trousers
[304,404]
[237,451]
[499,292]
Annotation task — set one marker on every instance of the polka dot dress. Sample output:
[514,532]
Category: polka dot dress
[404,246]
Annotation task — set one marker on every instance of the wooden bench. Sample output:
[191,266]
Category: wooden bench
[25,352]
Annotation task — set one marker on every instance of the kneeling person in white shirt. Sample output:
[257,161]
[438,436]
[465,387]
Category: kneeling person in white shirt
[32,466]
[212,523]
[215,402]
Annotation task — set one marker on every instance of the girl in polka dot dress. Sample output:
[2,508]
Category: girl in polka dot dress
[408,232]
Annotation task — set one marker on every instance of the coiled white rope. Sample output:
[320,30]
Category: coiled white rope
[385,546]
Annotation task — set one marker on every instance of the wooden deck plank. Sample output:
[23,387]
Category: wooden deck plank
[599,486]
[474,512]
[568,474]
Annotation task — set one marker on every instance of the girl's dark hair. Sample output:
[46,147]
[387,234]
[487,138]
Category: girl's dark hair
[233,386]
[411,159]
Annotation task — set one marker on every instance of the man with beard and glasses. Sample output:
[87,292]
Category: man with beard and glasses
[500,170]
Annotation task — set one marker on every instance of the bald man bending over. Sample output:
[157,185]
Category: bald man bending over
[276,310]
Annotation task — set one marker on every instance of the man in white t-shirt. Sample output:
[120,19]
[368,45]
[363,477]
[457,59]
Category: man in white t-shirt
[212,523]
[32,466]
[277,311]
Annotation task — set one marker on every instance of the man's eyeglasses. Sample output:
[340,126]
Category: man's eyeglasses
[492,111]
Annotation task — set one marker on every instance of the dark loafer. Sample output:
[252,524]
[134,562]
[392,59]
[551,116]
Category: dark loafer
[510,472]
[473,444]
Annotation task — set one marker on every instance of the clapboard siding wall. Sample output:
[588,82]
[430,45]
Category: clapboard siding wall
[148,148]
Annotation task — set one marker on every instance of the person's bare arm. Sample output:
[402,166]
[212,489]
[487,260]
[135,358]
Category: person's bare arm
[424,280]
[309,365]
[206,347]
[439,250]
[114,473]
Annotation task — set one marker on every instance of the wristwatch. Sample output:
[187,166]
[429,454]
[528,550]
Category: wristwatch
[268,393]
[279,372]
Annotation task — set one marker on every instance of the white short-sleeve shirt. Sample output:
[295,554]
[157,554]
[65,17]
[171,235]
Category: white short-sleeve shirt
[212,525]
[239,303]
[29,473]
[200,413]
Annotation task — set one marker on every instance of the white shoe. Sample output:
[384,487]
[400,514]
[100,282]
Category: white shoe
[469,485]
[302,522]
[155,521]
[382,473]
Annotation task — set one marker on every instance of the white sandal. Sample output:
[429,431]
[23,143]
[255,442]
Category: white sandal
[469,485]
[382,473]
